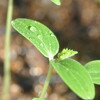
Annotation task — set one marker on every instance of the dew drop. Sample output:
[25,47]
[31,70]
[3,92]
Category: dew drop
[27,33]
[40,31]
[51,35]
[36,22]
[41,44]
[32,28]
[39,36]
[31,38]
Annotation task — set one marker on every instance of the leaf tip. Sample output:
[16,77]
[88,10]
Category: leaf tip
[57,2]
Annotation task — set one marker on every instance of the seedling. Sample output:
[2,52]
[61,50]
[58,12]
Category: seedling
[80,79]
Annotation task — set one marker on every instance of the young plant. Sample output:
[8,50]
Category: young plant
[80,79]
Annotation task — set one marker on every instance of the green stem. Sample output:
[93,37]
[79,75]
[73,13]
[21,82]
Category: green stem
[7,74]
[42,95]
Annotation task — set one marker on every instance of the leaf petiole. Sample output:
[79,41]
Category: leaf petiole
[42,95]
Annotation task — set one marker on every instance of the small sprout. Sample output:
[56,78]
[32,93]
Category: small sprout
[46,42]
[66,53]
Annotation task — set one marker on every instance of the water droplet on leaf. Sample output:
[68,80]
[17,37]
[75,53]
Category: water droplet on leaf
[32,28]
[40,31]
[39,36]
[27,33]
[29,38]
[51,34]
[41,44]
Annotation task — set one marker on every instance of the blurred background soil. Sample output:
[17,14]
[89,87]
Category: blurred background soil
[76,23]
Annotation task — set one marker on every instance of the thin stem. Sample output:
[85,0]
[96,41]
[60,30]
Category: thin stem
[42,95]
[7,74]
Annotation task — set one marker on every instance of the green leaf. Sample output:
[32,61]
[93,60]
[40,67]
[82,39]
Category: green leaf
[76,77]
[93,68]
[39,35]
[57,2]
[66,53]
[38,99]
